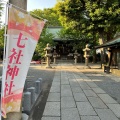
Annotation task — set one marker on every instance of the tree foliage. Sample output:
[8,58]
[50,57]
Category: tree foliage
[79,39]
[49,14]
[1,7]
[2,38]
[1,42]
[98,16]
[46,37]
[1,29]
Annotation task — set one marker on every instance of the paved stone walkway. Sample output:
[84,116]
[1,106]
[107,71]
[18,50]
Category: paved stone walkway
[75,96]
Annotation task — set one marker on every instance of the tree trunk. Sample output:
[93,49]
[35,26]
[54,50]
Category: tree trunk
[101,41]
[94,56]
[94,51]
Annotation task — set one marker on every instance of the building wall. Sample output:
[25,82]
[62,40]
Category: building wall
[20,3]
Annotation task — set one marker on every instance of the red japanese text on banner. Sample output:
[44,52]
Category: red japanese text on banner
[24,32]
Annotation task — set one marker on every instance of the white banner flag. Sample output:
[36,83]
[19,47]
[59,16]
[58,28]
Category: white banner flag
[23,32]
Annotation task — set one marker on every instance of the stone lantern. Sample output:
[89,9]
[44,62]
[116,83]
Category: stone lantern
[54,56]
[86,56]
[48,55]
[75,56]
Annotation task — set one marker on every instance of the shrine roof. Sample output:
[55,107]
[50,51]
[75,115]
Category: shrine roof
[112,43]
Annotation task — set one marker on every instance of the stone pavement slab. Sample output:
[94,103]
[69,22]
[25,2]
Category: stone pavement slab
[85,108]
[80,97]
[75,96]
[65,81]
[90,93]
[115,108]
[55,89]
[106,114]
[70,114]
[56,79]
[54,97]
[98,90]
[97,102]
[91,84]
[90,118]
[106,98]
[54,83]
[52,109]
[50,118]
[84,85]
[76,89]
[66,90]
[74,84]
[67,102]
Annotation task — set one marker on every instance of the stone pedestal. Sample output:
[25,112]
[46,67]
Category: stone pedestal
[54,56]
[48,62]
[75,56]
[75,59]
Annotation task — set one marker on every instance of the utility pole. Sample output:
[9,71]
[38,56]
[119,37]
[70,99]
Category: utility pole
[20,3]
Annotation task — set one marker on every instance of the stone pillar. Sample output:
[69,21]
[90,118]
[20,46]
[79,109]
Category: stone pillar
[27,102]
[37,86]
[20,3]
[40,79]
[32,90]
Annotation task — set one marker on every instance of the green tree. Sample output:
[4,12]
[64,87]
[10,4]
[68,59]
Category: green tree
[1,10]
[101,16]
[46,37]
[1,42]
[79,39]
[1,7]
[1,30]
[96,17]
[49,14]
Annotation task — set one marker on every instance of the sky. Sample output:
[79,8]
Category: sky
[36,4]
[40,4]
